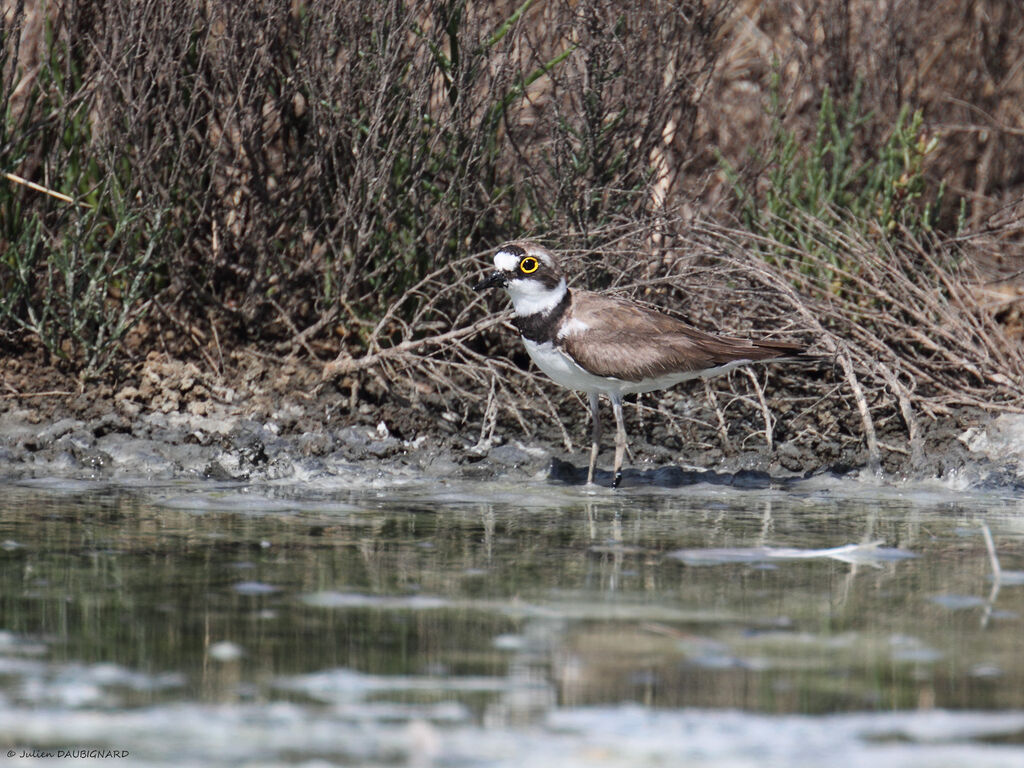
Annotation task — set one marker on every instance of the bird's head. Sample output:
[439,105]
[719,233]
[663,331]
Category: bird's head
[530,274]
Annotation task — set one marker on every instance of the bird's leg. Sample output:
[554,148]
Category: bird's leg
[620,438]
[595,440]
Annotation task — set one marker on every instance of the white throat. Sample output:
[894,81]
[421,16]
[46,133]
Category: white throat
[530,296]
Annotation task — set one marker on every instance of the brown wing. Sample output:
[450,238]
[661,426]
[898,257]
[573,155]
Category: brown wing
[633,343]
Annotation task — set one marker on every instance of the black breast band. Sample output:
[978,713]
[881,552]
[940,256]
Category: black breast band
[543,326]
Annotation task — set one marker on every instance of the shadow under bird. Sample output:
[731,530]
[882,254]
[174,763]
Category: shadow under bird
[601,344]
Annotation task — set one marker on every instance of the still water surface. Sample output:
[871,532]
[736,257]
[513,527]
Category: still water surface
[432,624]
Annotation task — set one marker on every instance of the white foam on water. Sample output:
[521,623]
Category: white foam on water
[597,737]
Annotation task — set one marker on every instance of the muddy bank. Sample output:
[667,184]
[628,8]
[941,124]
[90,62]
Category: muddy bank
[279,421]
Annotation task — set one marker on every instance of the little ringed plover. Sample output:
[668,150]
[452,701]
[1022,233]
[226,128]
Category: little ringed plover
[601,344]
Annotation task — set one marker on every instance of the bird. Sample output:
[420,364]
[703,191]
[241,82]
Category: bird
[604,344]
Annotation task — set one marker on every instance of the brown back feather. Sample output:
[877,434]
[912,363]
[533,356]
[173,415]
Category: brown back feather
[631,342]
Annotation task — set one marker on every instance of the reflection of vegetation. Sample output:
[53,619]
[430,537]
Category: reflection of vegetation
[110,579]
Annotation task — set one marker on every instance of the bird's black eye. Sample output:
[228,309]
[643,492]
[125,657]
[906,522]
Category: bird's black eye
[528,265]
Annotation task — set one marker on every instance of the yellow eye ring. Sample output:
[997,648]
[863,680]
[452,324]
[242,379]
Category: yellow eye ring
[528,265]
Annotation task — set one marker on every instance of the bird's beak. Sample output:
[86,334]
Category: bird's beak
[495,278]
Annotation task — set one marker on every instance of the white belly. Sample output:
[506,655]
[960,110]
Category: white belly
[563,370]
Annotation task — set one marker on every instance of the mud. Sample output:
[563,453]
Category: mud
[273,420]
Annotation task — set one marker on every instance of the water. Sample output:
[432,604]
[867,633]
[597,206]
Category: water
[459,624]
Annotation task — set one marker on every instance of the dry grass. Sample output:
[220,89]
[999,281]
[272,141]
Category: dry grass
[902,339]
[324,180]
[959,61]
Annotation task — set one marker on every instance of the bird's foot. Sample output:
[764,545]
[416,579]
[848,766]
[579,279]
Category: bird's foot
[617,480]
